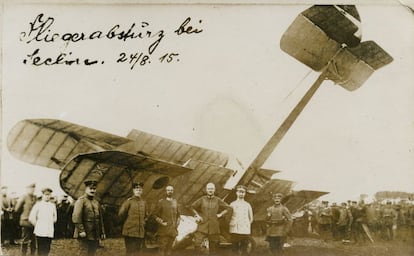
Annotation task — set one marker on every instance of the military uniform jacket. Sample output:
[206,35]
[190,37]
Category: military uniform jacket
[208,208]
[279,221]
[167,211]
[132,214]
[87,217]
[6,207]
[25,204]
[389,216]
[325,215]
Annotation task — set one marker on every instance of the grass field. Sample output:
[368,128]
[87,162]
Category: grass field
[298,246]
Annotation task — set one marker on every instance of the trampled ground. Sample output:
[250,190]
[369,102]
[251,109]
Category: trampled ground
[298,246]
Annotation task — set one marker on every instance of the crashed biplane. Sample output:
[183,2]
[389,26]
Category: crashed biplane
[326,38]
[81,153]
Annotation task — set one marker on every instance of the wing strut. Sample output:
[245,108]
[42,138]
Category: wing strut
[280,132]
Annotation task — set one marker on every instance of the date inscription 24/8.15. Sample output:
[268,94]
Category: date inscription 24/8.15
[144,59]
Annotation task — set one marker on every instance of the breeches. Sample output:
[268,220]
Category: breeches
[213,240]
[275,244]
[88,247]
[28,238]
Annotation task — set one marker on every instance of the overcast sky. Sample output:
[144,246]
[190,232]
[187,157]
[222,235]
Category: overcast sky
[229,91]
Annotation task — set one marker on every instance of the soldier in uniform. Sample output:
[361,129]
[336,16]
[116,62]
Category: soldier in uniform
[389,220]
[240,223]
[334,220]
[168,217]
[63,218]
[133,214]
[325,220]
[358,211]
[88,221]
[344,223]
[207,213]
[279,222]
[7,214]
[25,205]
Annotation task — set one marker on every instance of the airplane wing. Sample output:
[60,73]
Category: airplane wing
[115,171]
[51,143]
[263,199]
[295,200]
[171,150]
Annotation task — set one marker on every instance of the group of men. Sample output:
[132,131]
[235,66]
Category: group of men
[358,222]
[38,219]
[208,210]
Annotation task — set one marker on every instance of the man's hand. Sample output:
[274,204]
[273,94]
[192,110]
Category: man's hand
[198,218]
[164,223]
[82,234]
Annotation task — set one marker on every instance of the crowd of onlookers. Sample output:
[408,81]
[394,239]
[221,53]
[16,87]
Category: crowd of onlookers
[10,215]
[358,222]
[348,222]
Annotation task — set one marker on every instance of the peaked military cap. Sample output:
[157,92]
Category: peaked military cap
[137,185]
[91,183]
[47,190]
[241,187]
[277,195]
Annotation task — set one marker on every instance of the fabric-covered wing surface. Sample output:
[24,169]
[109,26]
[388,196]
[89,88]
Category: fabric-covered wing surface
[51,143]
[115,172]
[298,199]
[170,150]
[262,200]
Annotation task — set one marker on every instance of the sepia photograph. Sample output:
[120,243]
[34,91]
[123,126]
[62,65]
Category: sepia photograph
[207,127]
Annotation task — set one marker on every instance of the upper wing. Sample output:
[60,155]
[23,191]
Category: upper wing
[116,171]
[51,143]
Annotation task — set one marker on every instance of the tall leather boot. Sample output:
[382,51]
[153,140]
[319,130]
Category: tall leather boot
[24,249]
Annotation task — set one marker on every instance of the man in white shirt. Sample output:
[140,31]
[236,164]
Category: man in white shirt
[43,217]
[240,223]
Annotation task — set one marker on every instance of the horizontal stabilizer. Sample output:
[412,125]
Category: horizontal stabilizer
[341,23]
[351,67]
[316,35]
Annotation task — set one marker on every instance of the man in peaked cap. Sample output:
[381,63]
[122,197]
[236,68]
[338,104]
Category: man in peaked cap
[88,221]
[133,214]
[43,217]
[25,205]
[325,220]
[279,222]
[240,223]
